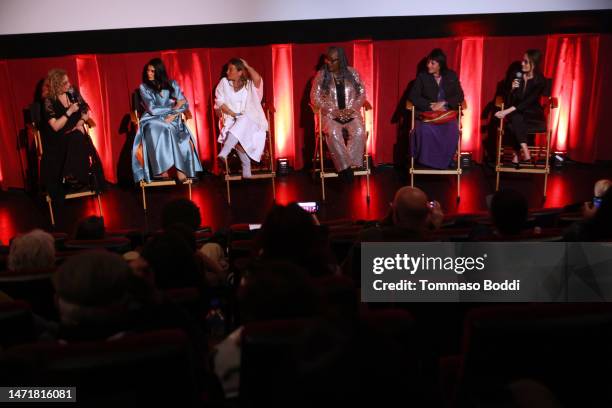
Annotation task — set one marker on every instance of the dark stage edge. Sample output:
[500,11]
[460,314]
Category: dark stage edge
[251,200]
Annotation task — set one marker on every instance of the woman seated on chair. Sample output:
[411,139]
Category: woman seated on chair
[70,161]
[163,140]
[524,112]
[337,91]
[436,95]
[238,97]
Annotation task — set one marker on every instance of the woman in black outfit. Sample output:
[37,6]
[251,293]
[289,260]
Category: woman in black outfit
[525,114]
[70,161]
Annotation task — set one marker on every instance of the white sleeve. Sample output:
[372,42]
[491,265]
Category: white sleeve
[221,93]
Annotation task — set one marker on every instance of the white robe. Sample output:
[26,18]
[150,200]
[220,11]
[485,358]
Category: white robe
[249,128]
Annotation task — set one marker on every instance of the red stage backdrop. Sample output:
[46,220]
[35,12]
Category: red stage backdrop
[577,64]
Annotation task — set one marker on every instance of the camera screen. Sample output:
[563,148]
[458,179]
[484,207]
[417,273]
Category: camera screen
[310,206]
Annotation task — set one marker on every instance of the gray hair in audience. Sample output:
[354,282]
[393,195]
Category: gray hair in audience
[93,286]
[34,250]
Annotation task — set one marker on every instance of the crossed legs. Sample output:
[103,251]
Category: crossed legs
[245,160]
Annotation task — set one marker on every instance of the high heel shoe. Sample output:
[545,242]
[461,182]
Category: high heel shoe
[515,161]
[526,155]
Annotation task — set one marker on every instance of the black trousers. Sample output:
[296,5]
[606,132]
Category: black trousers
[521,124]
[73,156]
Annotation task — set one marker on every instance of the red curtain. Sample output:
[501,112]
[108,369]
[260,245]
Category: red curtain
[577,64]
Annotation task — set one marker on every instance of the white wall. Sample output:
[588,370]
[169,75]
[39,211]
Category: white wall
[36,16]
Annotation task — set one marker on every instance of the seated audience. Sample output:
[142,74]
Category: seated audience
[290,233]
[32,251]
[90,228]
[597,222]
[274,290]
[509,211]
[411,217]
[93,295]
[170,255]
[211,255]
[181,211]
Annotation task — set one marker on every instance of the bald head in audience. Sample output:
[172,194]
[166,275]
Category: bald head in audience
[411,209]
[601,186]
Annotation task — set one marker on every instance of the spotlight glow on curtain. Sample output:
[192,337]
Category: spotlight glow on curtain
[7,125]
[363,55]
[282,75]
[90,88]
[572,62]
[471,82]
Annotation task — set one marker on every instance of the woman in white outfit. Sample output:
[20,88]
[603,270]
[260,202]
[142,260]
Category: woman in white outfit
[238,96]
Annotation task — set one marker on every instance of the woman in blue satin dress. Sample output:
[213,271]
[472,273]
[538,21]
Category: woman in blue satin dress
[163,141]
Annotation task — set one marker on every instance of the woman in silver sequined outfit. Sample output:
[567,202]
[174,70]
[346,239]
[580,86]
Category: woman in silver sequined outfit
[339,93]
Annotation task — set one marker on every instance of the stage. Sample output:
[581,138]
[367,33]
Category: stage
[251,199]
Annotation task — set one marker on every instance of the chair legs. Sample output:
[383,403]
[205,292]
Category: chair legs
[320,163]
[160,183]
[532,168]
[82,194]
[268,174]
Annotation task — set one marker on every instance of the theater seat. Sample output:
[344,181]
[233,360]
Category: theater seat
[301,363]
[566,347]
[152,368]
[33,286]
[114,244]
[16,324]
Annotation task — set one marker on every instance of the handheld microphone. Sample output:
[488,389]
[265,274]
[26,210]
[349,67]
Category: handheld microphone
[72,95]
[518,76]
[75,97]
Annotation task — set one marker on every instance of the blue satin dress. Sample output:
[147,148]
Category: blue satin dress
[164,144]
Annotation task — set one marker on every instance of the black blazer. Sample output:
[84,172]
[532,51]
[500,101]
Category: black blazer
[527,100]
[425,90]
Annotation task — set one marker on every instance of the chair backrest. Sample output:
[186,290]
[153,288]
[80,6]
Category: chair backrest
[34,286]
[136,108]
[16,324]
[558,344]
[136,101]
[115,244]
[35,111]
[291,362]
[140,368]
[548,87]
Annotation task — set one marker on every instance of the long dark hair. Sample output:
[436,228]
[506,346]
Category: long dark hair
[161,80]
[438,55]
[343,72]
[535,58]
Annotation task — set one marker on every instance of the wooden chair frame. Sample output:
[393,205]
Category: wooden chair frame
[456,171]
[552,103]
[319,158]
[269,174]
[90,193]
[186,115]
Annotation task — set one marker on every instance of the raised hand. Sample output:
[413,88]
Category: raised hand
[72,108]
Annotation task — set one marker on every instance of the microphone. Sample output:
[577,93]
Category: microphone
[72,97]
[75,97]
[518,76]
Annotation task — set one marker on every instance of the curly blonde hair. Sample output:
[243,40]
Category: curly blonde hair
[53,83]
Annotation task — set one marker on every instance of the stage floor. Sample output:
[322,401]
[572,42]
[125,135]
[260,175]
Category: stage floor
[251,199]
